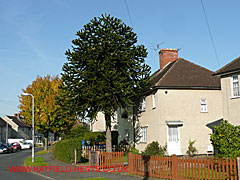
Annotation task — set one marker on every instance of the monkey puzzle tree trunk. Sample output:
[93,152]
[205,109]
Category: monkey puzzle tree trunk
[108,133]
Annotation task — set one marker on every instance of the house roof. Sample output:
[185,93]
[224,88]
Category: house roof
[184,74]
[215,123]
[230,67]
[18,121]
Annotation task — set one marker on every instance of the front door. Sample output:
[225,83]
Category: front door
[173,143]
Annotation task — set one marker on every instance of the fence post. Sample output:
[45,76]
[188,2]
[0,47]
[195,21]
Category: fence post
[174,167]
[238,168]
[75,156]
[97,158]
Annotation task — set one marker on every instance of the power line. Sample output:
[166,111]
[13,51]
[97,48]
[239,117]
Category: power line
[210,33]
[128,13]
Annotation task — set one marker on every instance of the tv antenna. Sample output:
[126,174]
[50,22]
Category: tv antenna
[156,47]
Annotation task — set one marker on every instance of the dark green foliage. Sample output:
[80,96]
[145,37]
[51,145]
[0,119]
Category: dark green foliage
[226,140]
[105,68]
[76,131]
[154,149]
[95,137]
[191,149]
[64,150]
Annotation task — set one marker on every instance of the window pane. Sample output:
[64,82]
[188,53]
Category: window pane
[153,101]
[203,105]
[235,89]
[144,104]
[144,134]
[235,78]
[172,134]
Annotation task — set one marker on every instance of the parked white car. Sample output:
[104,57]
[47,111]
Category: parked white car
[25,145]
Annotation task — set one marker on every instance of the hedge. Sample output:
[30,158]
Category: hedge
[64,150]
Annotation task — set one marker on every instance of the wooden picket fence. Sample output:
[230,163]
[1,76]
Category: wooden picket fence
[86,149]
[108,160]
[182,168]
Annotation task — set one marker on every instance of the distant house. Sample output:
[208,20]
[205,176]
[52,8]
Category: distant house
[18,128]
[3,132]
[183,98]
[122,126]
[99,125]
[230,77]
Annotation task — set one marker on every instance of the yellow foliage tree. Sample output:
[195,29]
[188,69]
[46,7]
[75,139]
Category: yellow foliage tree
[49,115]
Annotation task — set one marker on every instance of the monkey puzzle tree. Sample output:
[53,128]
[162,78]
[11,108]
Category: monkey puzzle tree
[105,69]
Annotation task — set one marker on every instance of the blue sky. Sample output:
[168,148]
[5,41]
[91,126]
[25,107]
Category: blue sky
[34,35]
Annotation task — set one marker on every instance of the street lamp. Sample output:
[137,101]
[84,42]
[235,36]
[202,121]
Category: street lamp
[27,94]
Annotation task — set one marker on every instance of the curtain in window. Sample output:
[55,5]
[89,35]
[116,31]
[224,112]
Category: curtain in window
[172,133]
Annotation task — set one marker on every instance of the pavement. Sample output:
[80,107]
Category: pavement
[76,172]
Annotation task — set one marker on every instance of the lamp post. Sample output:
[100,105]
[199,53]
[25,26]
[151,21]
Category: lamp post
[27,94]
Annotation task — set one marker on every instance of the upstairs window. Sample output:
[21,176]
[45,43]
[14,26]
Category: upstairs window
[144,104]
[153,101]
[235,86]
[203,105]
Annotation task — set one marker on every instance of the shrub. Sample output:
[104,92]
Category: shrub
[64,150]
[191,149]
[134,150]
[94,137]
[77,131]
[225,140]
[154,149]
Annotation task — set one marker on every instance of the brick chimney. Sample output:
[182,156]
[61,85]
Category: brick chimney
[166,56]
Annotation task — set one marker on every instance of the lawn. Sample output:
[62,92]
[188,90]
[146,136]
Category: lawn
[41,152]
[125,157]
[202,171]
[39,161]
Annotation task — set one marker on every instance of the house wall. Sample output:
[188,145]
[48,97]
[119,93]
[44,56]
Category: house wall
[2,134]
[231,105]
[181,105]
[99,125]
[125,126]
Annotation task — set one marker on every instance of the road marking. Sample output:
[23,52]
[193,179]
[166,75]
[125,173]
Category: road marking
[42,175]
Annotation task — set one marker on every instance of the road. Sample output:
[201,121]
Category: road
[15,159]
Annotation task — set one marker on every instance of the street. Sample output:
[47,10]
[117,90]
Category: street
[15,159]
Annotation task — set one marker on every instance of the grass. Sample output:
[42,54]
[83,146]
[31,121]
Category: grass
[42,152]
[125,157]
[212,172]
[94,178]
[39,161]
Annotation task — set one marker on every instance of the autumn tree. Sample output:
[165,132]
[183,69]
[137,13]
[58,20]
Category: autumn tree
[47,112]
[105,69]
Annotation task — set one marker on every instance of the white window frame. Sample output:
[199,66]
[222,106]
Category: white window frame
[144,134]
[237,82]
[203,103]
[143,105]
[153,101]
